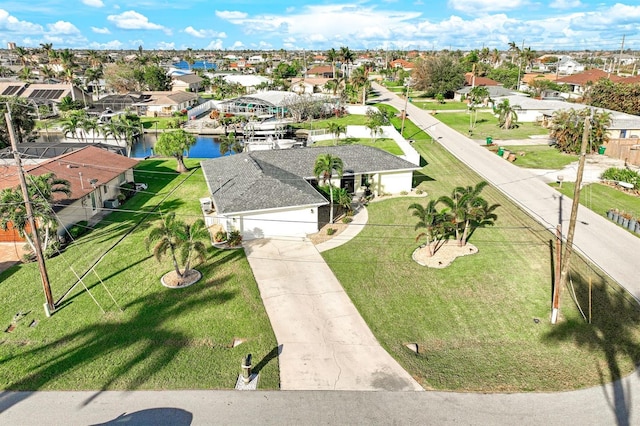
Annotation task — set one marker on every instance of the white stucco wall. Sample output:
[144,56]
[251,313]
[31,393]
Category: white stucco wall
[289,223]
[392,183]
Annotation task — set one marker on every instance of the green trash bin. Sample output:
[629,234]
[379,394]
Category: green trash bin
[501,151]
[601,149]
[489,140]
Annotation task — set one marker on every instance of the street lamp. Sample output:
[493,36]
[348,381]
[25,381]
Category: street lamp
[404,112]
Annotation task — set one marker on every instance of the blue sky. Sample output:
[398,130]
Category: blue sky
[320,24]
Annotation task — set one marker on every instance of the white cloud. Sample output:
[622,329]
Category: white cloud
[111,45]
[215,45]
[132,20]
[474,7]
[565,4]
[14,25]
[166,46]
[62,27]
[230,15]
[238,45]
[103,30]
[204,33]
[93,3]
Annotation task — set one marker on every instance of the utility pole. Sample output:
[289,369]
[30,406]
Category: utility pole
[620,57]
[404,112]
[49,305]
[572,220]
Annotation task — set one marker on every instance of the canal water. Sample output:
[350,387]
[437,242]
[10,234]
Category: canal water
[205,146]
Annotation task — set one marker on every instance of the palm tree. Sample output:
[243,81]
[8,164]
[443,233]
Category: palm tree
[26,74]
[336,129]
[42,190]
[332,56]
[360,79]
[507,116]
[467,210]
[229,143]
[71,125]
[323,168]
[181,240]
[432,221]
[347,57]
[93,75]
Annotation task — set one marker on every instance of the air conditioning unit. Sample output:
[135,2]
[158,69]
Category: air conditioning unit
[206,205]
[111,203]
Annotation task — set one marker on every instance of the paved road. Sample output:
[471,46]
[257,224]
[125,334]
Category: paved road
[596,406]
[610,247]
[324,342]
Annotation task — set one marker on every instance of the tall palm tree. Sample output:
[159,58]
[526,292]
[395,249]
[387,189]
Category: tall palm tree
[360,79]
[432,221]
[324,168]
[347,57]
[183,241]
[332,56]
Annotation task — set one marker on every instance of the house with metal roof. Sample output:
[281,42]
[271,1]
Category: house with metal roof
[273,193]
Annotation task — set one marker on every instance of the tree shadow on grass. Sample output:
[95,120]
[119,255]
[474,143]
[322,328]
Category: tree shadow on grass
[144,343]
[613,332]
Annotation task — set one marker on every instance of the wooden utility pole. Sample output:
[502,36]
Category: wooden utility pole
[49,306]
[566,258]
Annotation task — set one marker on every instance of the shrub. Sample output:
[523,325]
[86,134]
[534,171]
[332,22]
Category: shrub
[622,175]
[128,189]
[403,192]
[78,229]
[331,231]
[234,238]
[347,219]
[419,191]
[220,236]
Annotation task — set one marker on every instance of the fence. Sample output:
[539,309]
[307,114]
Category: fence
[627,149]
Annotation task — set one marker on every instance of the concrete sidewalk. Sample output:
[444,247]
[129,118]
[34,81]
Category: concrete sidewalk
[325,344]
[607,245]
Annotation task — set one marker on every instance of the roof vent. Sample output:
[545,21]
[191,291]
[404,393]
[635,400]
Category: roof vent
[72,166]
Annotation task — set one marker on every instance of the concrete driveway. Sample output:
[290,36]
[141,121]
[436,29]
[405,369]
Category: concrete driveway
[325,344]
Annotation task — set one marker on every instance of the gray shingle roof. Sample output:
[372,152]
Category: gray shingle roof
[273,179]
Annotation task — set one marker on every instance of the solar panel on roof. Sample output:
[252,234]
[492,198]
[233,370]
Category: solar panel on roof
[46,93]
[10,90]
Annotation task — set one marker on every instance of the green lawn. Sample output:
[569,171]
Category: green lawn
[600,198]
[540,156]
[433,105]
[384,144]
[482,324]
[148,337]
[487,125]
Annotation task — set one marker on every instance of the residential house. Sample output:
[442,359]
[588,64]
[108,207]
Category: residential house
[44,94]
[568,66]
[470,79]
[579,82]
[322,71]
[95,176]
[186,82]
[401,63]
[273,193]
[309,85]
[165,104]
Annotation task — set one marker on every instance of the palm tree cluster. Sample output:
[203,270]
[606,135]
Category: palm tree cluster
[507,115]
[125,128]
[181,240]
[464,211]
[567,127]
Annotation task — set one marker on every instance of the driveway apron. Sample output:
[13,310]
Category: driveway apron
[324,342]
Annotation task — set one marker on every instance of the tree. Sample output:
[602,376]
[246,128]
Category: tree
[156,78]
[181,240]
[468,211]
[336,129]
[507,116]
[507,74]
[438,74]
[360,80]
[433,222]
[347,57]
[174,144]
[375,120]
[21,117]
[332,56]
[623,97]
[42,190]
[229,143]
[323,168]
[567,127]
